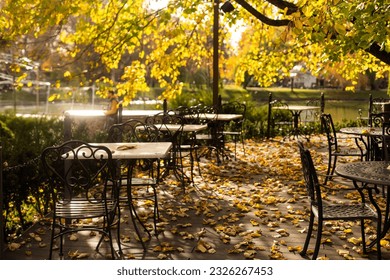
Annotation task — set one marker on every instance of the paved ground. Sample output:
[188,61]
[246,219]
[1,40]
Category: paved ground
[251,208]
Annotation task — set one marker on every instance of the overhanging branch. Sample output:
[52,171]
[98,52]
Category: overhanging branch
[261,17]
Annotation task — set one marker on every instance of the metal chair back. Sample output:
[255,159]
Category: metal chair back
[81,180]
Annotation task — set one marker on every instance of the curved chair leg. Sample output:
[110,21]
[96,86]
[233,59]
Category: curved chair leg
[243,144]
[308,236]
[318,239]
[363,236]
[333,167]
[328,169]
[378,240]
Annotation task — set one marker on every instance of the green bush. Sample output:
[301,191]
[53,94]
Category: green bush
[22,140]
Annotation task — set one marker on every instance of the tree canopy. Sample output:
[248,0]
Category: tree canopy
[131,45]
[352,36]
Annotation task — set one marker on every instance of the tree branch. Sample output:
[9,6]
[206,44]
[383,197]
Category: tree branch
[382,55]
[291,8]
[261,17]
[374,49]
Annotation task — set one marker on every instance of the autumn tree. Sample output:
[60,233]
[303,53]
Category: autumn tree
[129,39]
[352,36]
[127,44]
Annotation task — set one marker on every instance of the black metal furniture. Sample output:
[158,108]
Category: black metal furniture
[311,118]
[280,118]
[366,134]
[137,176]
[188,145]
[234,129]
[336,149]
[321,211]
[369,175]
[170,126]
[82,183]
[210,140]
[378,148]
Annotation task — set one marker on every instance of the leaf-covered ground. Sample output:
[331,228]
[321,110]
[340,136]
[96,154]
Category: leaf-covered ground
[254,207]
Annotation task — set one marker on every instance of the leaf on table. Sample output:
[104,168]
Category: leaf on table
[125,147]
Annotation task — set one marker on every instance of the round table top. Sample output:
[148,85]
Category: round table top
[362,130]
[371,172]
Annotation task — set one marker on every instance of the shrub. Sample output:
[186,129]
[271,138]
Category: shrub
[22,141]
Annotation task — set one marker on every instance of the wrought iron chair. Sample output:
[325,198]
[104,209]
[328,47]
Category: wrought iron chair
[81,180]
[378,148]
[311,118]
[175,163]
[338,149]
[280,118]
[188,145]
[376,106]
[137,176]
[234,129]
[322,212]
[212,139]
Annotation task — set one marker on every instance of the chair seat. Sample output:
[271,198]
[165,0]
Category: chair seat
[346,212]
[140,181]
[348,153]
[80,209]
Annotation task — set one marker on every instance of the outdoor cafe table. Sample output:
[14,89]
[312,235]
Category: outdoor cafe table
[296,111]
[185,128]
[220,117]
[131,152]
[219,120]
[365,133]
[368,175]
[98,115]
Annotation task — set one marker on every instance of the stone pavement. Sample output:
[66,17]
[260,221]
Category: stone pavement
[251,208]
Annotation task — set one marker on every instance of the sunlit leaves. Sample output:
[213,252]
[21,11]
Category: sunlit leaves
[322,35]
